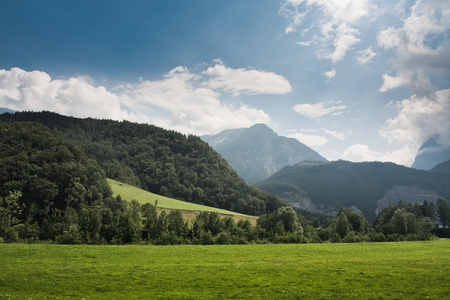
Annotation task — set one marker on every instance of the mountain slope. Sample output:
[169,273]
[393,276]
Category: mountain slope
[430,154]
[325,187]
[160,161]
[258,152]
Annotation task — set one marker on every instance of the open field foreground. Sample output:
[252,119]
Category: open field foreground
[404,270]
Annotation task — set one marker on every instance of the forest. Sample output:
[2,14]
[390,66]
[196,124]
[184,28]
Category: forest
[161,161]
[52,191]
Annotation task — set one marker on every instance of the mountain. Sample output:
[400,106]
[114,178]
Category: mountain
[430,154]
[443,167]
[258,152]
[324,187]
[157,160]
[6,110]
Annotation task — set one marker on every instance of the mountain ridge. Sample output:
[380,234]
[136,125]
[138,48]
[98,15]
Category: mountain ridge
[325,187]
[258,152]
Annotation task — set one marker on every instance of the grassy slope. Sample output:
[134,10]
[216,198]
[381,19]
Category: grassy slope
[188,209]
[406,270]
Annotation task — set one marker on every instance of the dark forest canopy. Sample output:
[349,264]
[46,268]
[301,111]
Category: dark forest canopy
[157,160]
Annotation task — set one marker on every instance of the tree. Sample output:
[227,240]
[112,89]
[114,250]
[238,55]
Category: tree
[288,217]
[342,225]
[443,210]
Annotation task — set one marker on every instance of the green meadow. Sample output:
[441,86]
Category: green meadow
[188,209]
[402,270]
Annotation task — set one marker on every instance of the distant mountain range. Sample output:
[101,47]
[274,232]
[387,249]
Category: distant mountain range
[258,152]
[324,187]
[430,154]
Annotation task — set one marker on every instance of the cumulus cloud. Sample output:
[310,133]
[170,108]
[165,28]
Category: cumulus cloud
[422,46]
[245,81]
[337,24]
[181,100]
[21,90]
[361,152]
[365,56]
[321,109]
[311,140]
[420,118]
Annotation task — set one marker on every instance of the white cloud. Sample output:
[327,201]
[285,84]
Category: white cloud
[338,135]
[390,82]
[344,40]
[247,81]
[422,46]
[365,56]
[389,38]
[361,152]
[181,100]
[310,140]
[337,22]
[320,109]
[419,119]
[21,90]
[330,74]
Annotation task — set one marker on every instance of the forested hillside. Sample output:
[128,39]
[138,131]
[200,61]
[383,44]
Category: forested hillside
[160,161]
[46,183]
[345,184]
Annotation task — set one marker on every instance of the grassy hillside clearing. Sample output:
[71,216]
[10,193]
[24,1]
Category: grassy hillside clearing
[189,210]
[406,270]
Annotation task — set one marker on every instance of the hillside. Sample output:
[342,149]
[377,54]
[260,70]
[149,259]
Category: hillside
[157,160]
[443,167]
[188,209]
[258,152]
[325,187]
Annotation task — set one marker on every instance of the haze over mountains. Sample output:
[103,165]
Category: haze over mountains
[258,152]
[430,154]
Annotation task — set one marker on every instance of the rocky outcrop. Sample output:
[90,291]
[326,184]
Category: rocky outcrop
[407,194]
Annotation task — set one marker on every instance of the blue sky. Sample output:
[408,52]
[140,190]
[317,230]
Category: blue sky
[360,80]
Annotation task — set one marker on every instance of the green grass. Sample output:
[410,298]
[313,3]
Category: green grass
[129,192]
[406,270]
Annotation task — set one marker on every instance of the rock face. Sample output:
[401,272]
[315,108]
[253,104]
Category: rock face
[430,154]
[258,152]
[407,194]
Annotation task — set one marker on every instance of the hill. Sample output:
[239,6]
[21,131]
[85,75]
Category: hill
[443,167]
[157,160]
[430,154]
[366,187]
[258,152]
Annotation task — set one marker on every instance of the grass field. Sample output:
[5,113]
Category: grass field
[188,209]
[406,270]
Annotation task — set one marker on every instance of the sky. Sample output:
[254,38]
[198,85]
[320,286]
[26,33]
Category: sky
[359,80]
